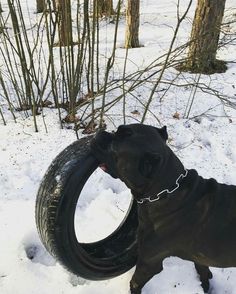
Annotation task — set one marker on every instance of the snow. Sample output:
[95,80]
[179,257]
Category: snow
[205,140]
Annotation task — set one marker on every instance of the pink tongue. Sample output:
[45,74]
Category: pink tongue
[103,166]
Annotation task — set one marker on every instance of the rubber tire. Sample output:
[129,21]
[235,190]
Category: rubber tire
[55,209]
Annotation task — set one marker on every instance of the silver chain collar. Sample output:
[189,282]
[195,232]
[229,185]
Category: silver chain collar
[158,196]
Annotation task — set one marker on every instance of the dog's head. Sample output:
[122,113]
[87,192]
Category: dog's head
[134,153]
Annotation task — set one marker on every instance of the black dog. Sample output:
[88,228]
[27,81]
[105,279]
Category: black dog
[180,213]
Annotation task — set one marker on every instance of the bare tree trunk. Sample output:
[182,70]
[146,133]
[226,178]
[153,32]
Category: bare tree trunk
[41,6]
[63,8]
[104,8]
[108,8]
[1,27]
[54,5]
[132,24]
[205,37]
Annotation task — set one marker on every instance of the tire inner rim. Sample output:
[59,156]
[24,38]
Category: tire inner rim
[102,206]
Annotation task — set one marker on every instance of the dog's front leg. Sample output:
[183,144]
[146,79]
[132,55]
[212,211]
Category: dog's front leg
[143,273]
[204,275]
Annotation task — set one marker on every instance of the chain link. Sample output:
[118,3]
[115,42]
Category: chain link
[158,196]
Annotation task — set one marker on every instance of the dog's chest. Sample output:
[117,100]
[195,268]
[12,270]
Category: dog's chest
[153,217]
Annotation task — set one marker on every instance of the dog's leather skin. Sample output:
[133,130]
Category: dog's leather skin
[197,222]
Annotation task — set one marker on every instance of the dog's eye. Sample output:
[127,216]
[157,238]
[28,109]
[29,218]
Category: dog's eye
[148,164]
[115,157]
[145,168]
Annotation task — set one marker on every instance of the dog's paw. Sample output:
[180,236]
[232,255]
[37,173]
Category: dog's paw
[134,288]
[205,286]
[135,291]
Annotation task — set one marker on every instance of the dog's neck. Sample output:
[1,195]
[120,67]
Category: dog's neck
[172,168]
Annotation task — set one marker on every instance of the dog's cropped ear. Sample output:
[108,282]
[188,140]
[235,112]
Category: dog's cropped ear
[163,133]
[124,131]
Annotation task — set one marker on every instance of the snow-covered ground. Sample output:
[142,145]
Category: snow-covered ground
[206,141]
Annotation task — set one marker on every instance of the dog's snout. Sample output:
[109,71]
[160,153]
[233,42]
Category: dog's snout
[104,139]
[103,134]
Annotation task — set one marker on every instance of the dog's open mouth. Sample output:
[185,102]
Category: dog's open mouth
[103,166]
